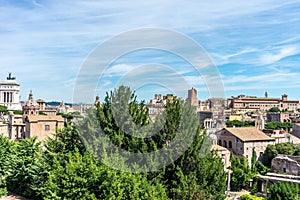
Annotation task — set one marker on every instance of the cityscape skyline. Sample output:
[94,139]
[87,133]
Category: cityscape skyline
[265,95]
[255,45]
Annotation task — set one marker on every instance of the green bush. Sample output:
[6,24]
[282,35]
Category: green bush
[284,191]
[251,197]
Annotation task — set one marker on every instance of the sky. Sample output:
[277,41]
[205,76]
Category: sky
[254,45]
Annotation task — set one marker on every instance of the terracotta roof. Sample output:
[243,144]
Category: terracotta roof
[248,134]
[35,118]
[258,99]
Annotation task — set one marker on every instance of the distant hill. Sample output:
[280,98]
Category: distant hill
[56,103]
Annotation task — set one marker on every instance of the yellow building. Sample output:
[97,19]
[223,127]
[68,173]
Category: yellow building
[42,126]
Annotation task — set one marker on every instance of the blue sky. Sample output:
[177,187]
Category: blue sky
[254,44]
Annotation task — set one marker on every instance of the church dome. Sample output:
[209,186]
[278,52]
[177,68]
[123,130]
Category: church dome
[31,102]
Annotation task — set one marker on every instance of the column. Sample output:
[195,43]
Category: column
[7,97]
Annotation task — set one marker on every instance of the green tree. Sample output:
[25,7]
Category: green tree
[26,168]
[75,177]
[261,168]
[18,112]
[253,160]
[278,125]
[241,173]
[274,109]
[3,109]
[7,151]
[65,168]
[280,148]
[270,153]
[190,176]
[284,191]
[238,123]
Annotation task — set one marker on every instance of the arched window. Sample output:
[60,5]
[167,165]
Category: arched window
[220,142]
[230,144]
[225,144]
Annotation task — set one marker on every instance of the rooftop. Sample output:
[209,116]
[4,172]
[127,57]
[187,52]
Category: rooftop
[36,118]
[249,134]
[218,148]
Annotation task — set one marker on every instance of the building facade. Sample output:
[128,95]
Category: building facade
[31,123]
[263,104]
[192,97]
[278,117]
[242,141]
[285,164]
[42,126]
[296,130]
[10,93]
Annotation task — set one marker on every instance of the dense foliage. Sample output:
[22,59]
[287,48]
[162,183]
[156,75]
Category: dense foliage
[238,123]
[3,110]
[281,148]
[70,116]
[284,191]
[274,109]
[65,168]
[18,112]
[241,173]
[251,197]
[279,125]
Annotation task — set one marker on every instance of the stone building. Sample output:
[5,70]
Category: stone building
[296,130]
[285,164]
[223,153]
[10,93]
[3,129]
[30,107]
[204,115]
[63,108]
[264,104]
[242,141]
[281,136]
[192,98]
[215,103]
[158,104]
[42,126]
[278,117]
[31,123]
[16,127]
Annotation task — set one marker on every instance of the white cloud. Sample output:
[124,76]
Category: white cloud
[47,40]
[282,53]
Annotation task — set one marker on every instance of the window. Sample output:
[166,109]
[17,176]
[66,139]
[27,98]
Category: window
[230,144]
[47,127]
[225,144]
[220,142]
